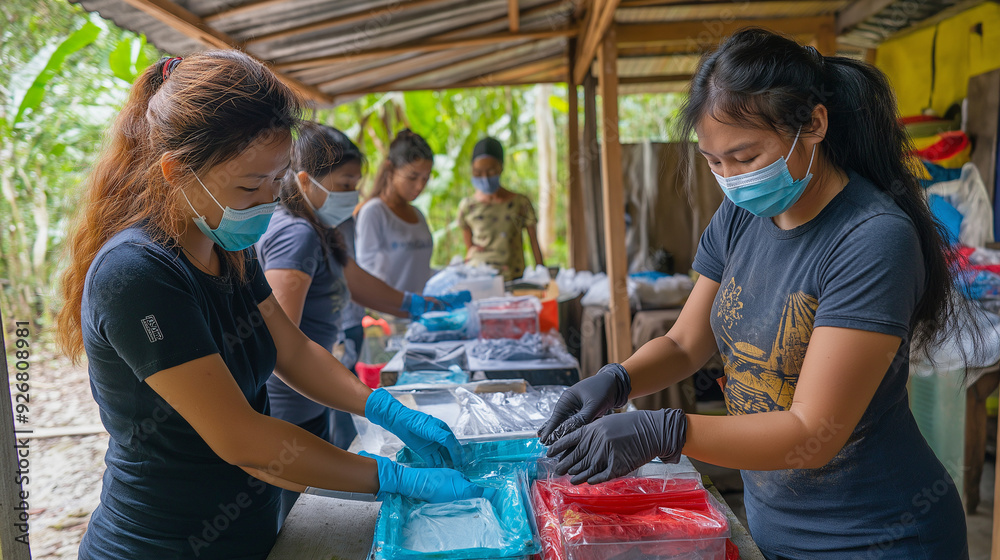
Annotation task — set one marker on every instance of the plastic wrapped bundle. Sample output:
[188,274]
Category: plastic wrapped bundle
[508,317]
[454,375]
[629,517]
[435,359]
[530,346]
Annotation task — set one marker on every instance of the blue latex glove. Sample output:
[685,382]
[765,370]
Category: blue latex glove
[417,305]
[430,485]
[586,401]
[429,437]
[617,444]
[455,300]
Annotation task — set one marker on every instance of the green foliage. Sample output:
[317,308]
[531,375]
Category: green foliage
[59,95]
[64,74]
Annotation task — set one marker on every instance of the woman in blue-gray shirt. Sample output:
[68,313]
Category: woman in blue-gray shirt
[312,271]
[181,330]
[819,273]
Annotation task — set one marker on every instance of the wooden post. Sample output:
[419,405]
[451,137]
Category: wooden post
[13,499]
[592,203]
[620,345]
[577,226]
[995,550]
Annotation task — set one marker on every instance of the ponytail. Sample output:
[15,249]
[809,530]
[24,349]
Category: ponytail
[204,110]
[762,80]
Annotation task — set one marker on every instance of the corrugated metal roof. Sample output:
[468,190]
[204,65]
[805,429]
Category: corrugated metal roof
[344,47]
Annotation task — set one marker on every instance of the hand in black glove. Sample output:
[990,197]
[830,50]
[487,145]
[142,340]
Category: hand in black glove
[586,401]
[620,443]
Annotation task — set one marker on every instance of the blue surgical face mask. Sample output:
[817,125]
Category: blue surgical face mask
[238,229]
[338,206]
[487,185]
[769,191]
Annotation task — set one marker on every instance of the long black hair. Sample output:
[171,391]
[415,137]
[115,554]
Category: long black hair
[759,79]
[318,150]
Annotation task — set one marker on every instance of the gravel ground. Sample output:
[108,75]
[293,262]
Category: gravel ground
[64,484]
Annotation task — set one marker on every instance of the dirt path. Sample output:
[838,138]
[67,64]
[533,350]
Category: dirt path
[64,484]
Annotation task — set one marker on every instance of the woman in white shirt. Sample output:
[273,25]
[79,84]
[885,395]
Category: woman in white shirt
[393,241]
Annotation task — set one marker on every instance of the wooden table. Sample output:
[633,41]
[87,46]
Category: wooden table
[321,528]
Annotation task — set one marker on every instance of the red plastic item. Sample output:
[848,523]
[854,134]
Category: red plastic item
[370,375]
[548,318]
[369,321]
[655,517]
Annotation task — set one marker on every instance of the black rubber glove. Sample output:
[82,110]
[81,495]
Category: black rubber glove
[586,401]
[618,444]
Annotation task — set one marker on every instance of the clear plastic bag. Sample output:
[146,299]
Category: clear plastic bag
[464,524]
[498,413]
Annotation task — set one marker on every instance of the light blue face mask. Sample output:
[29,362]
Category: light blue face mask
[238,229]
[338,206]
[487,185]
[769,191]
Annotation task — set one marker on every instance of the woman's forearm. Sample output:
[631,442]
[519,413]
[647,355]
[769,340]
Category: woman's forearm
[369,291]
[293,458]
[316,374]
[765,441]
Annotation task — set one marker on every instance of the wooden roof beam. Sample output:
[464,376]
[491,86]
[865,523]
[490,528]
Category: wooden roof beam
[657,79]
[389,11]
[599,19]
[428,46]
[699,35]
[189,24]
[858,12]
[514,15]
[553,76]
[417,65]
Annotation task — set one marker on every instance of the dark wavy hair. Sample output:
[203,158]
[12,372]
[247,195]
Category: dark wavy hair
[760,79]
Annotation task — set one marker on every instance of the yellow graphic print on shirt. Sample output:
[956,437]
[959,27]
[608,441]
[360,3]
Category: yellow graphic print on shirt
[759,380]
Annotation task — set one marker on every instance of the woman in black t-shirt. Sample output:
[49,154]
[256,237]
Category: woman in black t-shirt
[182,331]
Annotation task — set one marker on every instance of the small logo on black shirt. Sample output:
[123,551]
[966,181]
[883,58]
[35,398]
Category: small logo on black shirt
[152,329]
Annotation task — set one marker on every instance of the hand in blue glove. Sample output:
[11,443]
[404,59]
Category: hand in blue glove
[455,300]
[430,485]
[431,438]
[417,305]
[586,401]
[618,444]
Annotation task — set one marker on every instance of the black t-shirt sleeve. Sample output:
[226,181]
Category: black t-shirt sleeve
[148,310]
[874,278]
[713,247]
[259,287]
